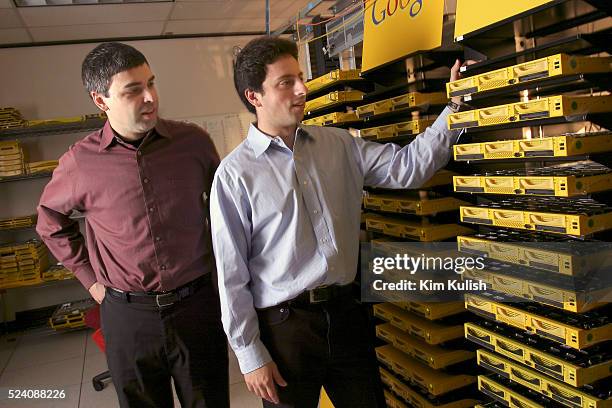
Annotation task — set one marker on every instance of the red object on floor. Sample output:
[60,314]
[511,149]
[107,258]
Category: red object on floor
[92,319]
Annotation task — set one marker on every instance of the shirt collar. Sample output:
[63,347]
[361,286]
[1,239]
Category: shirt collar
[260,142]
[108,134]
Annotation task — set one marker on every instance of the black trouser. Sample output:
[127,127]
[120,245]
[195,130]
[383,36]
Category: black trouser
[146,346]
[327,344]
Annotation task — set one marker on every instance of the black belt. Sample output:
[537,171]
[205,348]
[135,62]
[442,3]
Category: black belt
[321,294]
[160,299]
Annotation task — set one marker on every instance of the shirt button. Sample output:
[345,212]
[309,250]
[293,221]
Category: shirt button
[324,240]
[163,267]
[151,209]
[139,153]
[316,211]
[146,180]
[158,239]
[305,182]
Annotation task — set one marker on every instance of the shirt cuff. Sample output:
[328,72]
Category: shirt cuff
[441,125]
[86,275]
[252,357]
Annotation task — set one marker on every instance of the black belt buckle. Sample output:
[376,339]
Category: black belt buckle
[167,299]
[320,294]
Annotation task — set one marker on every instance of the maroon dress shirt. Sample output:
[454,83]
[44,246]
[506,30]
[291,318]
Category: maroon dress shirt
[146,208]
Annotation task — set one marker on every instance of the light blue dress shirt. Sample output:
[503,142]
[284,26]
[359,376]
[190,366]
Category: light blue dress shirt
[285,221]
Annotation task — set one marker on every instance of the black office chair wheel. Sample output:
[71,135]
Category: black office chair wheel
[100,380]
[98,385]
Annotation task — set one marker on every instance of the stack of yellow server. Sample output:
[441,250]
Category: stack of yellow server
[544,323]
[12,159]
[22,264]
[18,222]
[10,118]
[71,315]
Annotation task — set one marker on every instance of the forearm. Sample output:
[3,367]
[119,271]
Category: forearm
[65,241]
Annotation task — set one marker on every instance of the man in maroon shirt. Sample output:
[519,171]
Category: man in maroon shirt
[143,184]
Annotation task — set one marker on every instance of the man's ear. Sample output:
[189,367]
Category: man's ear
[253,97]
[98,99]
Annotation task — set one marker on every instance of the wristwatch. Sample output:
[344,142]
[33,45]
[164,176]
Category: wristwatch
[454,106]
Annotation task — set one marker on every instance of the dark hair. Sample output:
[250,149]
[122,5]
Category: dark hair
[250,66]
[106,60]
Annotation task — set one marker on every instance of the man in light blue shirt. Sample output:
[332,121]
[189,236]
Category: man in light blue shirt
[285,210]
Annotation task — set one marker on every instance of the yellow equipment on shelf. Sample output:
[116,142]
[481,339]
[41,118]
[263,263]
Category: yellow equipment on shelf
[553,253]
[401,102]
[567,145]
[416,230]
[332,99]
[586,367]
[335,118]
[556,390]
[549,293]
[435,357]
[414,203]
[566,180]
[550,324]
[429,331]
[577,217]
[426,378]
[416,398]
[547,107]
[553,66]
[331,78]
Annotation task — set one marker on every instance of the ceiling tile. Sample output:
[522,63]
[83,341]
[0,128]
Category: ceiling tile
[95,14]
[218,9]
[14,36]
[96,31]
[215,26]
[9,19]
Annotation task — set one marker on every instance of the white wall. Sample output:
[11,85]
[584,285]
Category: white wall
[194,80]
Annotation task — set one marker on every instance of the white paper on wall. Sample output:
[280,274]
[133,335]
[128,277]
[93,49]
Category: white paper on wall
[227,131]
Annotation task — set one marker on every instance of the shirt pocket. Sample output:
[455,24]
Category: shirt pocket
[183,200]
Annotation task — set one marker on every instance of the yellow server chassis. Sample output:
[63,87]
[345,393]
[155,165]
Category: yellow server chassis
[554,65]
[548,107]
[572,336]
[502,393]
[541,361]
[572,301]
[435,357]
[432,310]
[392,401]
[332,118]
[556,146]
[332,99]
[406,101]
[571,224]
[430,332]
[332,77]
[432,381]
[406,205]
[414,398]
[557,186]
[416,230]
[556,390]
[410,128]
[531,256]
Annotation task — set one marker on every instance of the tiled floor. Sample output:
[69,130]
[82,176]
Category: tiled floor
[68,361]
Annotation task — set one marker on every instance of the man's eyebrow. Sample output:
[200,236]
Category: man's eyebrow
[137,83]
